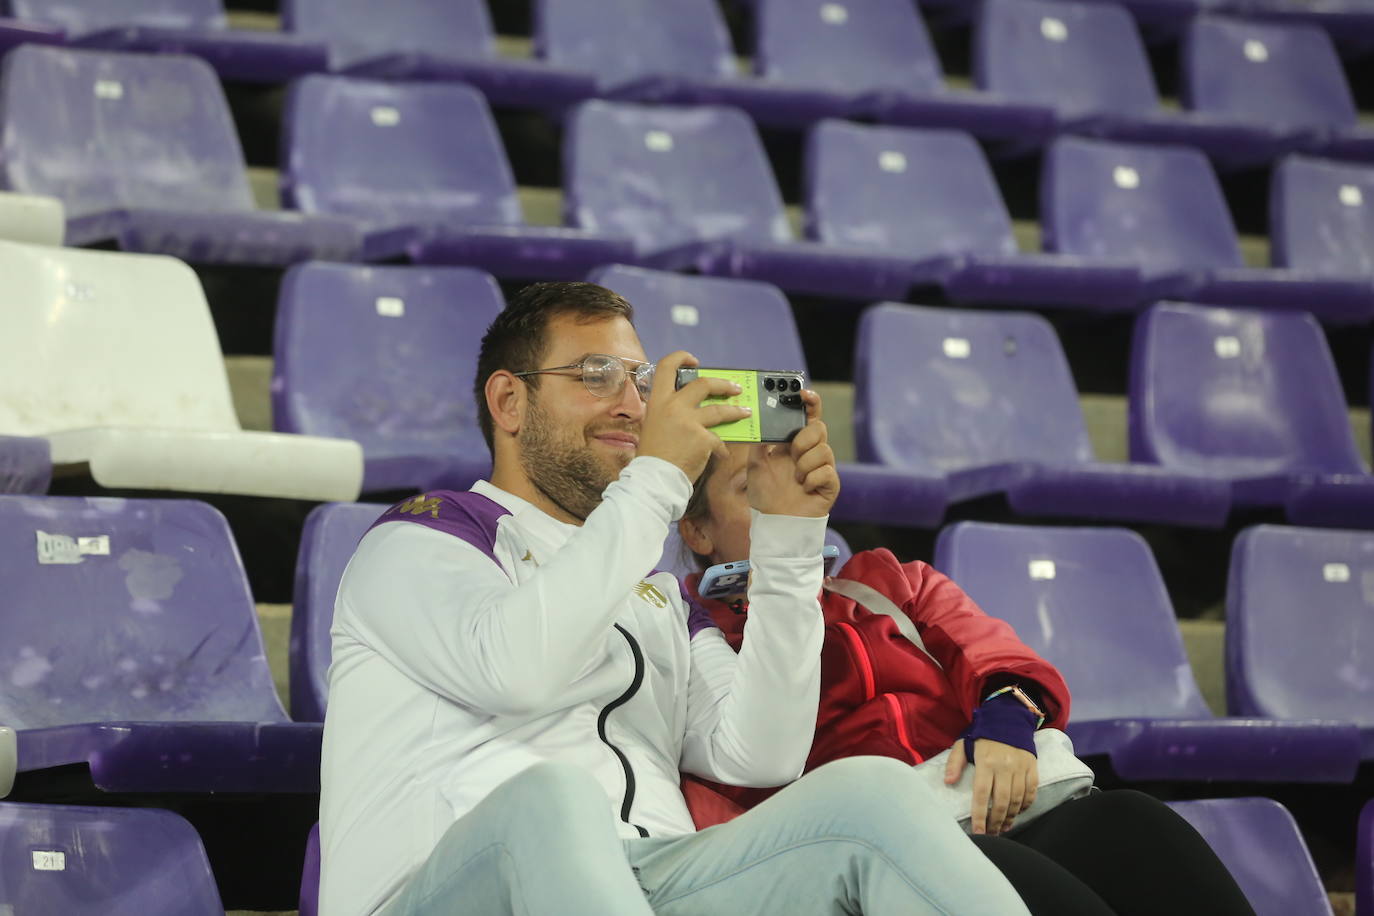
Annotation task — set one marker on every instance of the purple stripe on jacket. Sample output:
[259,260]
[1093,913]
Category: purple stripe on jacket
[466,515]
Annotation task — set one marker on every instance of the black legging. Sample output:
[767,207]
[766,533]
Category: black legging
[1116,853]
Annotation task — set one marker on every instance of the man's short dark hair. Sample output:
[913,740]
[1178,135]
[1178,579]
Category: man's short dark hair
[517,339]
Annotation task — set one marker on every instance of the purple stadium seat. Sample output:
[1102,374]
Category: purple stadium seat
[1297,625]
[423,168]
[331,534]
[1093,603]
[196,27]
[132,646]
[889,207]
[16,32]
[1163,208]
[1350,23]
[1288,76]
[876,58]
[1364,862]
[310,876]
[25,464]
[1250,397]
[1087,61]
[745,323]
[1258,841]
[385,356]
[81,861]
[987,398]
[423,40]
[1318,218]
[674,180]
[141,149]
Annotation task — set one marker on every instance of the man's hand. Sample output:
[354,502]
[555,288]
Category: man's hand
[677,426]
[1004,782]
[797,477]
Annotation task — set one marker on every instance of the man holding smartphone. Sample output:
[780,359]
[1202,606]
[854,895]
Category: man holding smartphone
[514,692]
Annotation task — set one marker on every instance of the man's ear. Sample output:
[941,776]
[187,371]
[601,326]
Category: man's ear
[506,398]
[695,537]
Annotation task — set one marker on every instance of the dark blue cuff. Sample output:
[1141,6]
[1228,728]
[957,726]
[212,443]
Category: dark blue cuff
[1003,718]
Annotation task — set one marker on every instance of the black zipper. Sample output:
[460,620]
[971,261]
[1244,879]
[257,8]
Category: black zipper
[601,728]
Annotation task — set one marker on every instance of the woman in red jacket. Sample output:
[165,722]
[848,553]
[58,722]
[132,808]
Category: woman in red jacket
[1119,852]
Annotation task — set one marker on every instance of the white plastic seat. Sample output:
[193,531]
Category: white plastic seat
[32,218]
[114,359]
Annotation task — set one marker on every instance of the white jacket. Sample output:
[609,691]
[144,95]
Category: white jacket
[490,637]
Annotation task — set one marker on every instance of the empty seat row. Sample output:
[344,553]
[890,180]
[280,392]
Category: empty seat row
[1041,67]
[385,170]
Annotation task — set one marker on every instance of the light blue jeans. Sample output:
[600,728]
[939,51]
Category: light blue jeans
[851,837]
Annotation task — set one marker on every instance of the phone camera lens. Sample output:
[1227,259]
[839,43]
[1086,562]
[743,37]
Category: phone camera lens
[768,384]
[796,384]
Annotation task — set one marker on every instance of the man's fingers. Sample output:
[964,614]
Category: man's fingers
[818,457]
[665,373]
[812,400]
[823,478]
[716,414]
[954,766]
[704,387]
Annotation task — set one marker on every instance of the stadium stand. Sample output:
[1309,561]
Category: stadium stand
[123,325]
[986,398]
[422,40]
[1088,62]
[741,322]
[132,646]
[1163,207]
[1298,626]
[1260,844]
[422,166]
[15,32]
[1092,602]
[1251,397]
[31,218]
[198,27]
[142,151]
[417,331]
[1288,76]
[890,208]
[86,861]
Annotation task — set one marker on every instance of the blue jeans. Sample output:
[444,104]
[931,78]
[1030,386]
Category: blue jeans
[852,837]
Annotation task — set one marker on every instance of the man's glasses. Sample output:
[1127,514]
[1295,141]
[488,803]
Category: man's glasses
[605,375]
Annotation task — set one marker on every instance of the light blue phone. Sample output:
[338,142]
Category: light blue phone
[728,581]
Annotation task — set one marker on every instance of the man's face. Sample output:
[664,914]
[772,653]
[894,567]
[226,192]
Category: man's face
[573,443]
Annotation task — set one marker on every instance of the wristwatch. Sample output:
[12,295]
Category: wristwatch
[1021,695]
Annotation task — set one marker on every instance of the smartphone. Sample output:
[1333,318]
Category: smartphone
[774,396]
[728,581]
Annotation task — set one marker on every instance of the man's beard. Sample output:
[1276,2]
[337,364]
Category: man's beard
[567,470]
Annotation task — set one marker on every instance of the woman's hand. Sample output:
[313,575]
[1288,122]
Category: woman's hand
[798,477]
[1004,782]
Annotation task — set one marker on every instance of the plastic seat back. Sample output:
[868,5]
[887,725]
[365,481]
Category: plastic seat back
[92,338]
[670,176]
[722,322]
[959,388]
[623,40]
[127,610]
[845,46]
[1285,75]
[1237,393]
[1321,216]
[1159,206]
[905,192]
[1079,58]
[82,861]
[1298,628]
[354,31]
[78,17]
[1092,602]
[393,154]
[108,131]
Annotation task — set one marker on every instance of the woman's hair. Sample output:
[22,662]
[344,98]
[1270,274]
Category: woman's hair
[698,508]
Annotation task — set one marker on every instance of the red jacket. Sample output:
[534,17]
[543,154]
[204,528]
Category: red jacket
[879,693]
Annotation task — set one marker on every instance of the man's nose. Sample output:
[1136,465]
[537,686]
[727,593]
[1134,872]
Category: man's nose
[630,404]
